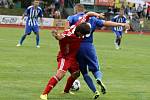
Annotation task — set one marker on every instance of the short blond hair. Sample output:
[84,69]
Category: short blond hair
[79,7]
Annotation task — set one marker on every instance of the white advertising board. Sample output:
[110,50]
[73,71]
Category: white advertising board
[6,19]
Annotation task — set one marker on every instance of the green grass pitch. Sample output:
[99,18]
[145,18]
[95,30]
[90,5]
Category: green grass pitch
[24,71]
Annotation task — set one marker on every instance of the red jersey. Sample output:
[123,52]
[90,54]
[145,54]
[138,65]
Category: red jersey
[70,44]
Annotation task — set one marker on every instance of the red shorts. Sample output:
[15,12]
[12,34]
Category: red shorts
[68,64]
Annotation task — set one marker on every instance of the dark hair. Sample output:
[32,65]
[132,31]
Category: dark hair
[83,28]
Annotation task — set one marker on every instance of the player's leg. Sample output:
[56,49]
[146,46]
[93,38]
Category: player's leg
[94,67]
[37,40]
[27,32]
[83,68]
[70,81]
[36,31]
[75,73]
[117,39]
[62,68]
[52,83]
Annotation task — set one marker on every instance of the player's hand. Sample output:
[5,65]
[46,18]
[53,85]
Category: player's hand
[21,22]
[41,26]
[127,26]
[60,36]
[54,33]
[101,15]
[57,35]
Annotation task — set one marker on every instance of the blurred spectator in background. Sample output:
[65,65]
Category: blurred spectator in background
[141,25]
[132,10]
[148,13]
[135,23]
[57,14]
[140,10]
[57,4]
[109,13]
[6,4]
[47,10]
[127,9]
[144,9]
[51,9]
[69,3]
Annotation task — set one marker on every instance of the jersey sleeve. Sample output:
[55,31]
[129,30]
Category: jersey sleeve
[99,22]
[70,20]
[27,11]
[40,12]
[113,19]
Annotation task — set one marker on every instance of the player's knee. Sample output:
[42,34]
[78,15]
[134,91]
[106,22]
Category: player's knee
[60,74]
[36,33]
[118,37]
[76,74]
[25,35]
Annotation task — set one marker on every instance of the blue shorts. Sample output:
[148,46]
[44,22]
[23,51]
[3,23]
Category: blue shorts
[29,29]
[118,33]
[87,58]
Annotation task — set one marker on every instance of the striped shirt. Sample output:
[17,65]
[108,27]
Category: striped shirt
[32,15]
[119,19]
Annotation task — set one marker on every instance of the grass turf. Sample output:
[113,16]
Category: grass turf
[24,71]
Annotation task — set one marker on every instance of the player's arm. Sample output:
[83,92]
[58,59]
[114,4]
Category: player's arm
[24,14]
[114,24]
[41,17]
[57,35]
[41,21]
[67,25]
[21,21]
[90,14]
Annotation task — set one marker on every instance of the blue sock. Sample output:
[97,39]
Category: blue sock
[37,39]
[89,82]
[22,39]
[97,75]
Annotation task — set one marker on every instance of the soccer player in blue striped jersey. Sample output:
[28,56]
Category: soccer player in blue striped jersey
[32,13]
[121,18]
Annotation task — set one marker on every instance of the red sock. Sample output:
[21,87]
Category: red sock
[51,84]
[69,84]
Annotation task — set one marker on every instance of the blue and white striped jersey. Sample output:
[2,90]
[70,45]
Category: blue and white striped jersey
[33,15]
[119,19]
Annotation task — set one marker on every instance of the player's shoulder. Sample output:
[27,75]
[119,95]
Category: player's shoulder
[69,17]
[124,17]
[80,14]
[39,8]
[30,7]
[116,16]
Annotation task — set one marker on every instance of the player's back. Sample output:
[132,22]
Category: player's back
[69,46]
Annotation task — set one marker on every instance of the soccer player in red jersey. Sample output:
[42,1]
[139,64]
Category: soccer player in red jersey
[69,42]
